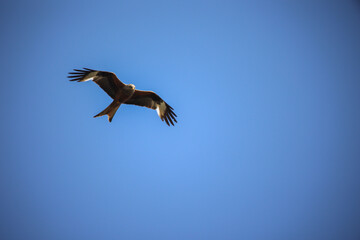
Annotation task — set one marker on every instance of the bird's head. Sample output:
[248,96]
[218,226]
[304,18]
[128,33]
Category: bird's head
[131,86]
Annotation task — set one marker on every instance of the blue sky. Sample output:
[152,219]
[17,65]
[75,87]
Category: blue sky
[267,98]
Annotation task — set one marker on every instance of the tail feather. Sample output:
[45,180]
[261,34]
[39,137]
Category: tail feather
[110,110]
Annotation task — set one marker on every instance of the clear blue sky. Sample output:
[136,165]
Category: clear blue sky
[267,146]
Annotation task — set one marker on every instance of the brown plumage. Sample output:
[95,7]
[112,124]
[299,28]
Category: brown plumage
[124,94]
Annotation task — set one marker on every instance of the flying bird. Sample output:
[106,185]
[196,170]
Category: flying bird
[124,94]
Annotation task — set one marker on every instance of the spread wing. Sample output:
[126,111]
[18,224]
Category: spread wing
[152,100]
[106,80]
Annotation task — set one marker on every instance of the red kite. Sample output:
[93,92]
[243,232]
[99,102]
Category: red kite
[124,93]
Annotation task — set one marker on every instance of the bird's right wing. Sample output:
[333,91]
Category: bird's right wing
[106,80]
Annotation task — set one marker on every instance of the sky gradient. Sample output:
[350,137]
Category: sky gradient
[268,133]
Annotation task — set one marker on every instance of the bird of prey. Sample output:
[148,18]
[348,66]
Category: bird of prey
[124,94]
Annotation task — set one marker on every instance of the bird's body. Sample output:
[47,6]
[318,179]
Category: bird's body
[124,94]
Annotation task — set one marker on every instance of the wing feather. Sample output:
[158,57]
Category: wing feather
[106,80]
[152,100]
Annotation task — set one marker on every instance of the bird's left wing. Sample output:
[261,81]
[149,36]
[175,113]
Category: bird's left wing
[152,100]
[106,80]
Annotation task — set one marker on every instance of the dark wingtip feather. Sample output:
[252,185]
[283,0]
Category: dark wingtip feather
[79,74]
[75,73]
[172,123]
[167,122]
[172,114]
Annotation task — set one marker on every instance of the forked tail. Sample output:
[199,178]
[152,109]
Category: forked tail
[110,110]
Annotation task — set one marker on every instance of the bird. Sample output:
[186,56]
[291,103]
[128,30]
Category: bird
[124,94]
